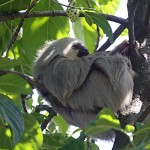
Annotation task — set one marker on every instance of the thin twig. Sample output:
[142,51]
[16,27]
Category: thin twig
[50,116]
[24,98]
[88,3]
[98,37]
[19,26]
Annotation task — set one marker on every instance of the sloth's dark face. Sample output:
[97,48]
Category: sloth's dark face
[82,51]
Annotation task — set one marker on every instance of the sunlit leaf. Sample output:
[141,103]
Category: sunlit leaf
[125,32]
[14,84]
[104,121]
[38,30]
[111,7]
[104,2]
[13,116]
[62,124]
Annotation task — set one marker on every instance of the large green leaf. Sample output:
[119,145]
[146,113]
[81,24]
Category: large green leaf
[9,6]
[13,116]
[38,30]
[104,121]
[92,17]
[14,84]
[86,33]
[32,138]
[7,63]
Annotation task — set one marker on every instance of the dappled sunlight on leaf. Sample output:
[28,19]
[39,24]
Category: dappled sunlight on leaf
[104,121]
[111,7]
[38,23]
[14,84]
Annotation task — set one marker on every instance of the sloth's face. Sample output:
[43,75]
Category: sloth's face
[75,50]
[82,50]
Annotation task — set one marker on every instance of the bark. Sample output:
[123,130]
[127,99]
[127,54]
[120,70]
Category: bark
[141,65]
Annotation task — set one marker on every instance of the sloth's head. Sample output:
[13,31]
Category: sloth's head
[67,47]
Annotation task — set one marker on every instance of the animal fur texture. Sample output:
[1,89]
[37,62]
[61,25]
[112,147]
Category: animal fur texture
[84,83]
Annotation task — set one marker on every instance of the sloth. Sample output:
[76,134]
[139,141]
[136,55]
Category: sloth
[84,83]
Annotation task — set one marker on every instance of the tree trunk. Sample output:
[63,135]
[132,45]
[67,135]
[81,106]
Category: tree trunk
[141,65]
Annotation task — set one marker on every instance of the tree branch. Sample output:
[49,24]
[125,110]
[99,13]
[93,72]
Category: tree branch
[132,4]
[28,78]
[117,32]
[52,113]
[144,114]
[55,13]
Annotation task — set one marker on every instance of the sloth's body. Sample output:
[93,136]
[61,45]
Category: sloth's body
[84,83]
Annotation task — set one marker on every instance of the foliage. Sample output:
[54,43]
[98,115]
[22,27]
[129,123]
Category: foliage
[20,130]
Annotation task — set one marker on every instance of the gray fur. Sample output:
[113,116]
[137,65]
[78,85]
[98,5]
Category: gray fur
[84,85]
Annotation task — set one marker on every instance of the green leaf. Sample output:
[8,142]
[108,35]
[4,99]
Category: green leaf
[104,2]
[5,136]
[125,32]
[39,117]
[14,84]
[111,7]
[104,121]
[13,116]
[73,144]
[4,40]
[9,6]
[7,63]
[62,124]
[53,142]
[85,6]
[37,31]
[86,33]
[32,138]
[143,133]
[95,18]
[93,146]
